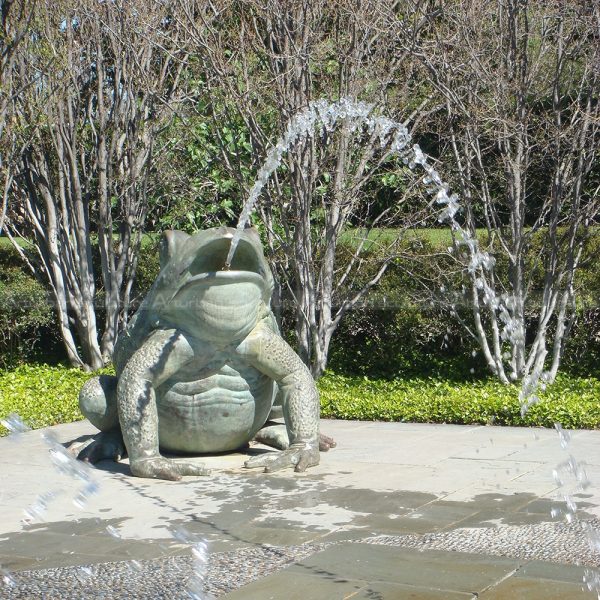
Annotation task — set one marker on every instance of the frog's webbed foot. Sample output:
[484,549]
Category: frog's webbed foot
[105,445]
[159,467]
[275,435]
[326,442]
[300,456]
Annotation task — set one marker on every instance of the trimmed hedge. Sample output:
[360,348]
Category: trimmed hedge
[43,395]
[573,402]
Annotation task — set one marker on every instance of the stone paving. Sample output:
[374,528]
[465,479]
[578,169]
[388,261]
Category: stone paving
[395,511]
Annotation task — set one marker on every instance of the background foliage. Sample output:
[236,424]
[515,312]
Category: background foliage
[404,329]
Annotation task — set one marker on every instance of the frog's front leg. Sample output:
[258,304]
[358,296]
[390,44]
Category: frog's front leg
[270,354]
[162,355]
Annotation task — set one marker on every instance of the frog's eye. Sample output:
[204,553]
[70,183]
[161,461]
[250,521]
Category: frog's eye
[171,243]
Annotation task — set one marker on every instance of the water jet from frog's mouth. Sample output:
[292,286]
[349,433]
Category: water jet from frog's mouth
[229,257]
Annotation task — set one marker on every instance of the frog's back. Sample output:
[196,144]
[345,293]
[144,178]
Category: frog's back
[214,408]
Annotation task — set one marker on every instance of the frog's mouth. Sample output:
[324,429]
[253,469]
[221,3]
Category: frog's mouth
[248,264]
[223,278]
[223,305]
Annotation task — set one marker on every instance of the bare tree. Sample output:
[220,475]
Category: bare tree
[16,19]
[116,69]
[263,62]
[519,81]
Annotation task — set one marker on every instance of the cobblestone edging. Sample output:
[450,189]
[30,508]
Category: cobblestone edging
[566,543]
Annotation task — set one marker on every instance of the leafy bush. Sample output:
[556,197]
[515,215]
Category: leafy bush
[41,395]
[403,342]
[25,311]
[147,270]
[571,401]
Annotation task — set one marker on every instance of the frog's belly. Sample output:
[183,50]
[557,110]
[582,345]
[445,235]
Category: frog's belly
[218,413]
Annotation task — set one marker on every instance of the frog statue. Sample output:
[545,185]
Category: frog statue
[201,365]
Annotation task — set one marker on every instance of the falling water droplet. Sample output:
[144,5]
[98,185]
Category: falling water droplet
[15,424]
[84,573]
[557,478]
[592,580]
[113,531]
[37,511]
[7,579]
[569,517]
[135,566]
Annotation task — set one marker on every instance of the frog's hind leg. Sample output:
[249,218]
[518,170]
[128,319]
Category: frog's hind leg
[276,436]
[98,403]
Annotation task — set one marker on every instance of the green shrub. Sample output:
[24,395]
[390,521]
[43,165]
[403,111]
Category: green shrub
[571,401]
[41,395]
[25,313]
[147,270]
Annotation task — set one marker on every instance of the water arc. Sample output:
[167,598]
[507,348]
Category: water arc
[326,115]
[321,114]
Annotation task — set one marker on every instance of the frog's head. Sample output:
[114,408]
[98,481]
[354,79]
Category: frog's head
[200,297]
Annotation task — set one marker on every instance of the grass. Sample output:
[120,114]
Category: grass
[43,395]
[6,243]
[438,238]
